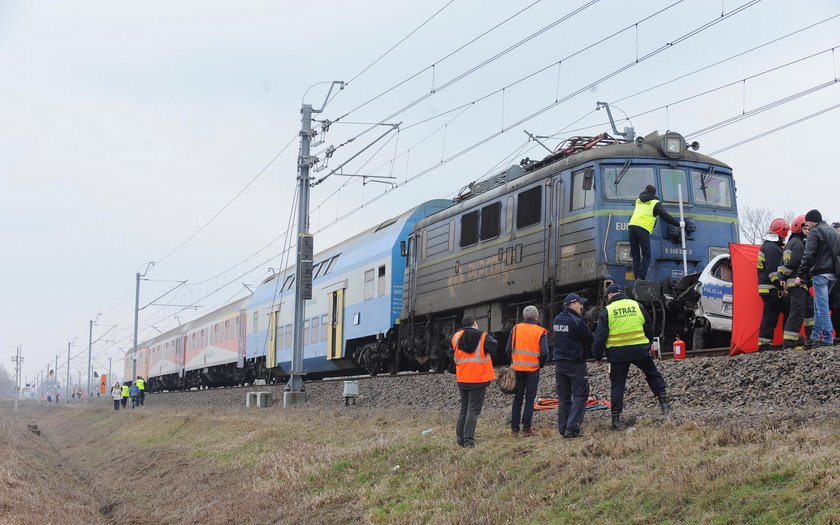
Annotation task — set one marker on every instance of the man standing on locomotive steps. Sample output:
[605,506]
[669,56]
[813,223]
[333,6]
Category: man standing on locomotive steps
[624,332]
[527,348]
[641,225]
[572,346]
[473,372]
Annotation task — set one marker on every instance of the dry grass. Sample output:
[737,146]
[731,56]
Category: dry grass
[320,466]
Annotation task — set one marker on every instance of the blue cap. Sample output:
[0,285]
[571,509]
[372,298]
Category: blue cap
[614,288]
[573,298]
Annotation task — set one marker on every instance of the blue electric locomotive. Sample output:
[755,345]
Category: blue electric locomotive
[540,230]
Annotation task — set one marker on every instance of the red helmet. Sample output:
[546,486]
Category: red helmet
[779,227]
[797,224]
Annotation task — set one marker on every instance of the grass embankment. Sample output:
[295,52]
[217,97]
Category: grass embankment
[316,466]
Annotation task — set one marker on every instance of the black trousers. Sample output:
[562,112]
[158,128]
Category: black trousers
[801,311]
[618,379]
[526,389]
[572,394]
[639,251]
[773,306]
[471,402]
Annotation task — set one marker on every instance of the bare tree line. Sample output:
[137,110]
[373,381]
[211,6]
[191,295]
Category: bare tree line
[754,223]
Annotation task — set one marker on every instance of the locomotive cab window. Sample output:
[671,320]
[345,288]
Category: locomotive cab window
[529,207]
[670,180]
[581,198]
[711,189]
[469,229]
[626,182]
[491,221]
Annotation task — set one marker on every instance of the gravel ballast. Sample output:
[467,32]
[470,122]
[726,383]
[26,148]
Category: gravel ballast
[783,384]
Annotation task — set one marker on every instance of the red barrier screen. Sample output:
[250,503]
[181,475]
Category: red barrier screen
[746,303]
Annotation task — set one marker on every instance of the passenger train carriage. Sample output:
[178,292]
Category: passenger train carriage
[390,298]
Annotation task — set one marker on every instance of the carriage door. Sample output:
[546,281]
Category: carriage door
[335,332]
[271,351]
[181,354]
[240,339]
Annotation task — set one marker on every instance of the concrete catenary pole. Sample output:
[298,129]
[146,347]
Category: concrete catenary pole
[90,347]
[136,317]
[67,386]
[294,391]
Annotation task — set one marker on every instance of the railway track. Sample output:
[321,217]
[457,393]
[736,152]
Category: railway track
[708,352]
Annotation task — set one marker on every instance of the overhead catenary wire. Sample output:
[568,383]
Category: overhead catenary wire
[775,130]
[541,110]
[226,206]
[386,53]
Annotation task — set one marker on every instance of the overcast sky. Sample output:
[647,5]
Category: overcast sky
[126,126]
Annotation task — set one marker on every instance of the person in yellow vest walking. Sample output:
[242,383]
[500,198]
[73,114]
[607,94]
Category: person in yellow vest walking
[527,348]
[624,332]
[141,384]
[125,393]
[641,225]
[473,372]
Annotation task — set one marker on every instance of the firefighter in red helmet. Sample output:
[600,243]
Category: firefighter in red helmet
[801,302]
[769,285]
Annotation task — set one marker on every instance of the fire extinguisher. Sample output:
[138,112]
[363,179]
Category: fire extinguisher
[679,348]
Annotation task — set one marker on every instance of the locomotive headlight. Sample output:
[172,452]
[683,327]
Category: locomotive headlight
[673,145]
[622,253]
[714,251]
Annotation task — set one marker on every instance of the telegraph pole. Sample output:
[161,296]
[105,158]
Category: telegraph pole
[90,347]
[55,374]
[67,386]
[18,359]
[136,317]
[110,378]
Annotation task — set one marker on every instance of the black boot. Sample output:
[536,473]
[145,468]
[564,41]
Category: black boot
[664,404]
[616,422]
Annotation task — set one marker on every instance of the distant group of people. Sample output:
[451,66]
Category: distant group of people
[130,390]
[788,267]
[623,335]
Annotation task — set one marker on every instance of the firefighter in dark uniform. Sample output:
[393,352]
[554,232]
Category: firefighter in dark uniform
[801,302]
[641,225]
[769,285]
[624,333]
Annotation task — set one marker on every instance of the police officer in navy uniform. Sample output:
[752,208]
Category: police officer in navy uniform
[572,346]
[624,333]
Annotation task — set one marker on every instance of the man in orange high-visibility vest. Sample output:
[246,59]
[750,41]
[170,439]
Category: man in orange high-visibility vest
[473,371]
[527,347]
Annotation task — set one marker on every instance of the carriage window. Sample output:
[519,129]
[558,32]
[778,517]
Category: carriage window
[316,321]
[256,321]
[509,215]
[711,189]
[325,322]
[529,207]
[490,221]
[331,264]
[670,178]
[279,337]
[306,331]
[380,283]
[469,229]
[580,198]
[626,182]
[290,336]
[368,285]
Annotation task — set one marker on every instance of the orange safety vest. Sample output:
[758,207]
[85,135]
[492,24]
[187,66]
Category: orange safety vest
[525,347]
[475,367]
